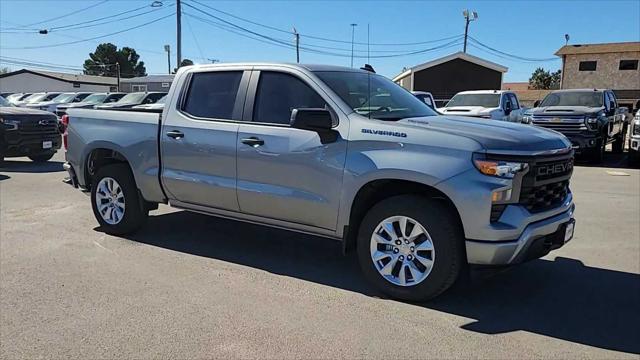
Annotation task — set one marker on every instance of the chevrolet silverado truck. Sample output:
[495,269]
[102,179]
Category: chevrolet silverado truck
[28,132]
[589,118]
[486,104]
[417,195]
[634,139]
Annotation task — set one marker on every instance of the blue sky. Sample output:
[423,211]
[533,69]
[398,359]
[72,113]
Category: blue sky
[531,29]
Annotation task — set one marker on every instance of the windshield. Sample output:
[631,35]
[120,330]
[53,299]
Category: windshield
[64,98]
[578,98]
[132,98]
[13,97]
[4,102]
[374,96]
[95,98]
[484,100]
[162,100]
[34,98]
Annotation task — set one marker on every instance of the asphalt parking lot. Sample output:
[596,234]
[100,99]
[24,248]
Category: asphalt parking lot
[191,286]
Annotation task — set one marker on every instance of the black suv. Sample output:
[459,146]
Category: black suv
[589,118]
[28,132]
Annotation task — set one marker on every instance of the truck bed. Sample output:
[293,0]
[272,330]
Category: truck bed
[134,134]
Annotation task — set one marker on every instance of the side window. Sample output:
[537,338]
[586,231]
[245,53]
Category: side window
[514,102]
[607,100]
[278,94]
[213,94]
[612,96]
[505,100]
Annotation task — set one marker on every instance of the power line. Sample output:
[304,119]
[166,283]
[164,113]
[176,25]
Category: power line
[89,39]
[86,25]
[195,39]
[318,37]
[517,57]
[68,14]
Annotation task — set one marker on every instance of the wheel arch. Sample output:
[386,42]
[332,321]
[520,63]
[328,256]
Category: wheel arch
[377,190]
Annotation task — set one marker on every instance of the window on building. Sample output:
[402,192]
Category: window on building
[138,88]
[628,65]
[166,85]
[587,65]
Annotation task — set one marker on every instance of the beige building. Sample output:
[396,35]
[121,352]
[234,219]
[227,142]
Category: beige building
[610,66]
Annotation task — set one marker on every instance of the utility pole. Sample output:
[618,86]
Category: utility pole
[297,37]
[353,30]
[178,34]
[469,17]
[167,48]
[118,74]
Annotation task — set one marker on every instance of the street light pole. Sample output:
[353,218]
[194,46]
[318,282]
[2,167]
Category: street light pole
[178,33]
[353,30]
[297,38]
[167,48]
[469,17]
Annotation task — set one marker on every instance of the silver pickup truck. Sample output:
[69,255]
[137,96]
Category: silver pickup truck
[335,152]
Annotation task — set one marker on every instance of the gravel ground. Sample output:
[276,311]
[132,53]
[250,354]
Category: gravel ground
[191,286]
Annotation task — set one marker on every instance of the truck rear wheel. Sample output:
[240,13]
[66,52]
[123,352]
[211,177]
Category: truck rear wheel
[41,157]
[410,247]
[115,200]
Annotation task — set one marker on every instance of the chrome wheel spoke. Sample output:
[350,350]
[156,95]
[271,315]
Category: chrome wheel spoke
[110,201]
[402,251]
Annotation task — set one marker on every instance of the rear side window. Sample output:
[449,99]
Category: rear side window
[213,94]
[514,101]
[278,94]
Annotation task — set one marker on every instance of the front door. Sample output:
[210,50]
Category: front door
[286,173]
[199,138]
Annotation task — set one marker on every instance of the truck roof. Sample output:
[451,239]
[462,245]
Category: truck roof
[484,92]
[308,67]
[580,90]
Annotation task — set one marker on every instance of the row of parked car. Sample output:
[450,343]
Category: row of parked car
[590,118]
[30,122]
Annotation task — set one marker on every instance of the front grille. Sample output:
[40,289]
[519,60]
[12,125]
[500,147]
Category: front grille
[544,197]
[563,123]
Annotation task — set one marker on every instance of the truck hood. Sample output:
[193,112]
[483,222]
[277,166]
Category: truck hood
[115,105]
[76,105]
[564,110]
[492,135]
[466,110]
[10,110]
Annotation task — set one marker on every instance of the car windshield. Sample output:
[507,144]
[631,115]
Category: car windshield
[34,98]
[64,98]
[132,98]
[575,98]
[94,98]
[484,100]
[13,97]
[4,102]
[374,96]
[161,100]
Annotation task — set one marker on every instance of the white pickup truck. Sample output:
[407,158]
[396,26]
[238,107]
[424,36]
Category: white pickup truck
[487,104]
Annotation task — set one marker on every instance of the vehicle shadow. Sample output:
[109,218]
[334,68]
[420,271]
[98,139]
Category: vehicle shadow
[563,298]
[4,177]
[611,160]
[20,166]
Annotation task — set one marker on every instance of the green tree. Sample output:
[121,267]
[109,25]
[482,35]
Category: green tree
[4,70]
[542,79]
[102,62]
[184,62]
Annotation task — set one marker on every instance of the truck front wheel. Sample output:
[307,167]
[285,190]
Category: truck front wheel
[115,200]
[411,247]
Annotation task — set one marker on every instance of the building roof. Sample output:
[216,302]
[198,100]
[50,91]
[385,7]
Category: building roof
[149,79]
[599,48]
[66,77]
[458,55]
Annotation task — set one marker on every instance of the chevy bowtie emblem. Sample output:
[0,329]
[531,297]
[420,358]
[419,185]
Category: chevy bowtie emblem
[556,119]
[43,122]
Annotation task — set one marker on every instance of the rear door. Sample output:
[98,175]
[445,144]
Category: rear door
[198,139]
[286,173]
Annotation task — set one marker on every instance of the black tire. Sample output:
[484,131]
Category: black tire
[596,155]
[446,234]
[618,145]
[41,157]
[135,214]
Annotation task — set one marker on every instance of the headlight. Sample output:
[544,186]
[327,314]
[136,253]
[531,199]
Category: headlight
[527,119]
[502,169]
[10,124]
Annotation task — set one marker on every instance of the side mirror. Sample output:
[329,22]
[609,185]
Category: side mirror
[536,103]
[315,119]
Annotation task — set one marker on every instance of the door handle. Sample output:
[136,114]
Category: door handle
[253,141]
[175,134]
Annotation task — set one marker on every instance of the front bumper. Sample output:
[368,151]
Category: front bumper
[583,142]
[535,241]
[27,144]
[634,143]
